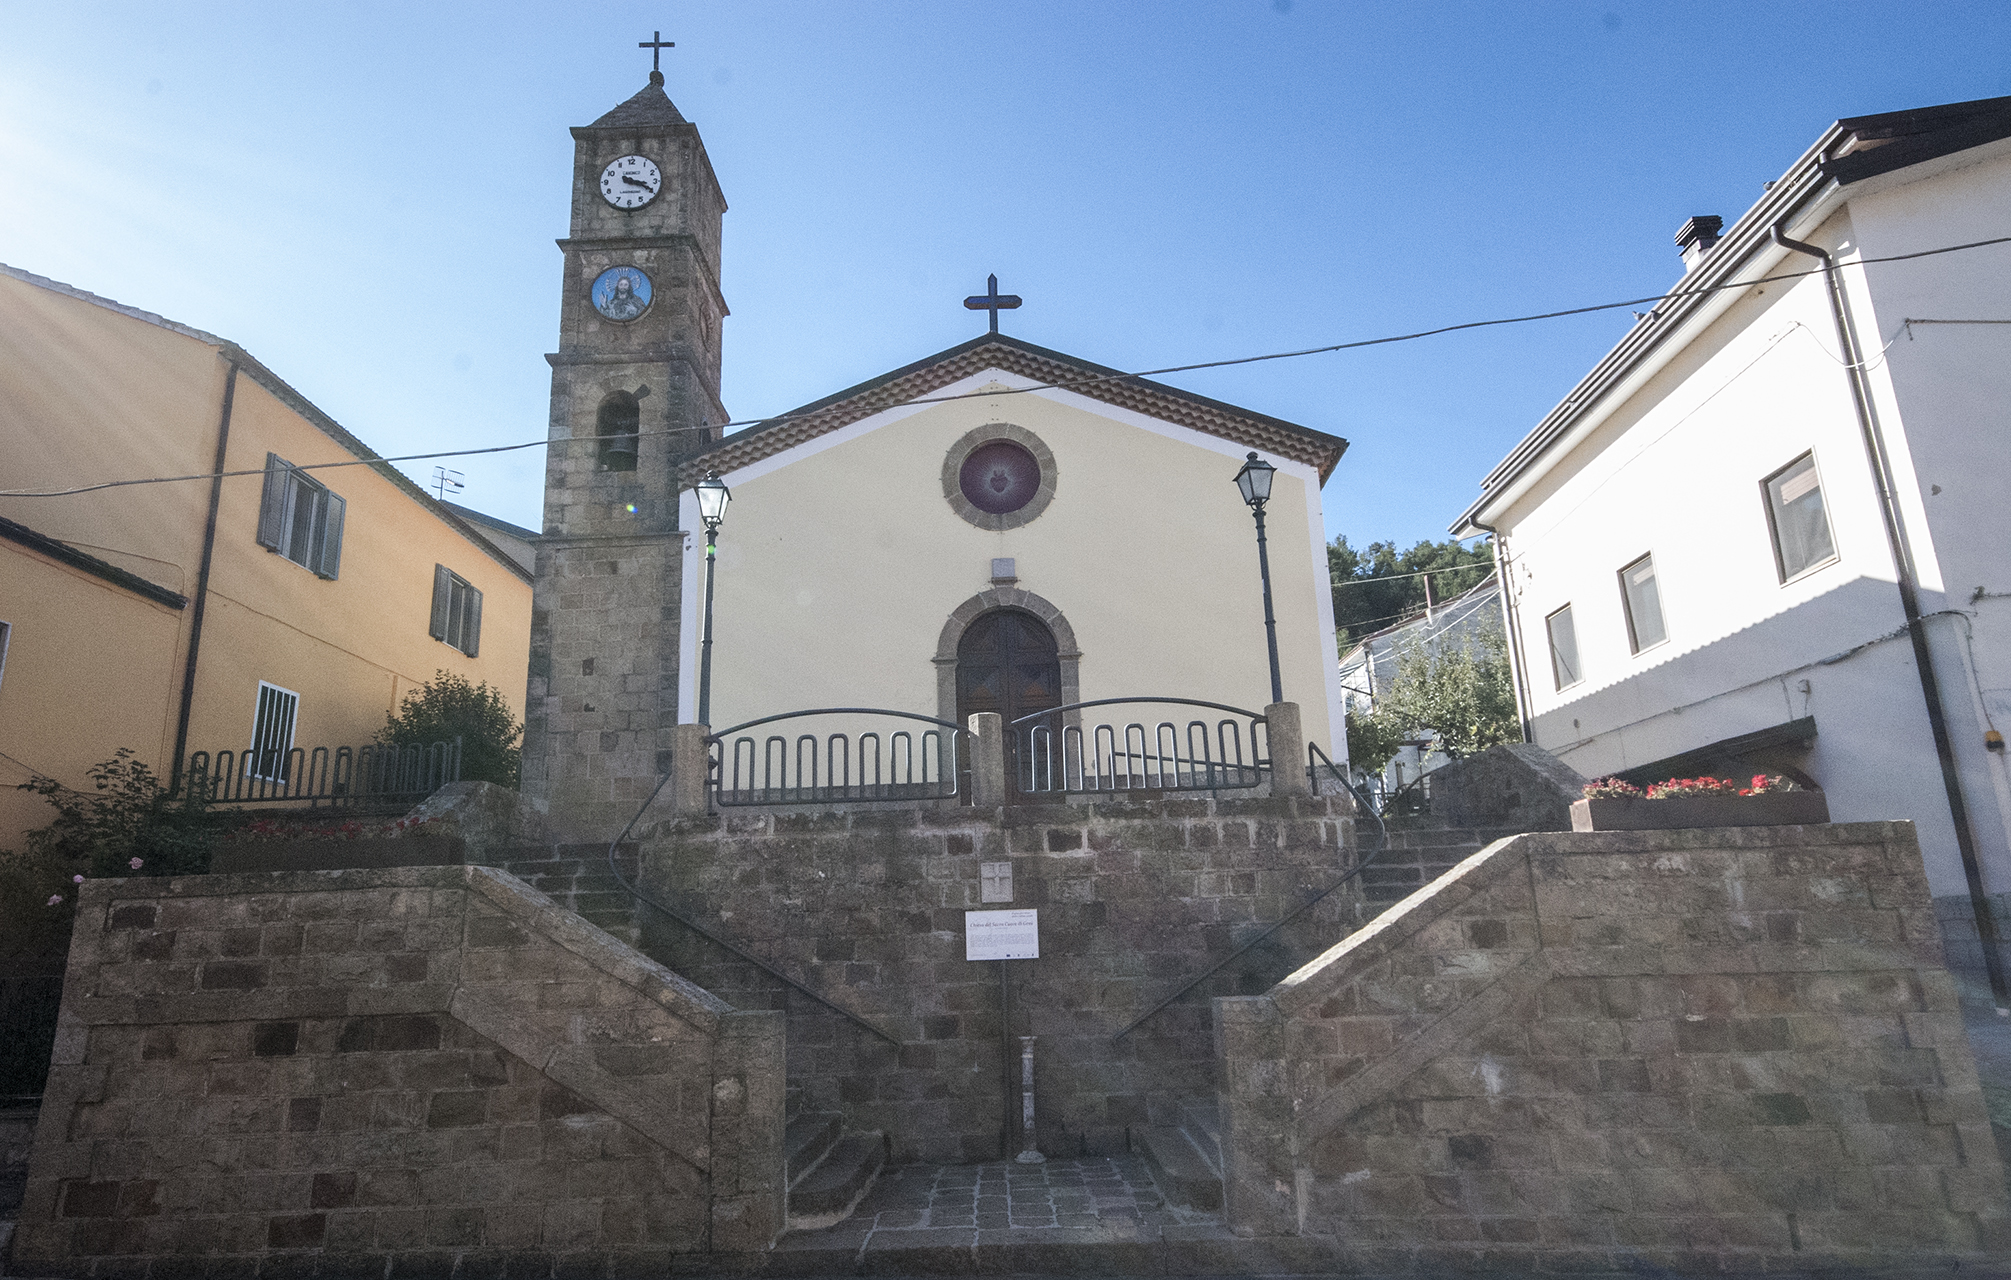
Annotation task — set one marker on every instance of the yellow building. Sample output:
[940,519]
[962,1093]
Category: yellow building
[292,605]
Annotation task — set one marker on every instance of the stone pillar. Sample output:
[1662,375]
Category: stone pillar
[1288,749]
[988,774]
[688,769]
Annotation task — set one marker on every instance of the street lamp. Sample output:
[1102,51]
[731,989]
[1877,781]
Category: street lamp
[1254,482]
[713,496]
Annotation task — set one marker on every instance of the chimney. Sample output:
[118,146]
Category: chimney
[1696,237]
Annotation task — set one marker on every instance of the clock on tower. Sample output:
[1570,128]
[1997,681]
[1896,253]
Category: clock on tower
[635,388]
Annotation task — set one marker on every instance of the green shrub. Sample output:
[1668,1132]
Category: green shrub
[448,707]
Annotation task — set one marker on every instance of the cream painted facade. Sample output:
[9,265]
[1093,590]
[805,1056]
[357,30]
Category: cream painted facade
[841,561]
[99,591]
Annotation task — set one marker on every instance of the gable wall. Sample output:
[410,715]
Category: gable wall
[840,562]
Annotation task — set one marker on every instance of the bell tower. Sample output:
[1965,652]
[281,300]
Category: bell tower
[635,390]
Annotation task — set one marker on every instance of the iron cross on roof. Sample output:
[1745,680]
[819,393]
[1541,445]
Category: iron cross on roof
[992,300]
[656,44]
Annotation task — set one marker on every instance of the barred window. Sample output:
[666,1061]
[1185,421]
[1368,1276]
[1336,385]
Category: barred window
[272,731]
[299,518]
[457,611]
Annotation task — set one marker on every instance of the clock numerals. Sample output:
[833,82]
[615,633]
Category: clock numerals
[631,182]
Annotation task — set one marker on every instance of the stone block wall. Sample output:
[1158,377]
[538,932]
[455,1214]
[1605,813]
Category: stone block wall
[432,1070]
[1697,1050]
[866,908]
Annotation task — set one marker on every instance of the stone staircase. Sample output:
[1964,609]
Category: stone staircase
[1186,1158]
[576,876]
[829,1171]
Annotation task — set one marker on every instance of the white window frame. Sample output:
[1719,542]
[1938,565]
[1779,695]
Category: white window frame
[1634,643]
[1550,642]
[255,753]
[283,527]
[1773,521]
[457,611]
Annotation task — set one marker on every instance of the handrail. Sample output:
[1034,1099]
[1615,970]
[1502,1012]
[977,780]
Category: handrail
[834,711]
[1105,702]
[1382,846]
[707,934]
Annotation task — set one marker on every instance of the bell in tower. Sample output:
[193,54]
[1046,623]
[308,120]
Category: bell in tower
[635,389]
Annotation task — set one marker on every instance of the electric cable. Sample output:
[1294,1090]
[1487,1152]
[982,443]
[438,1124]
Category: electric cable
[1064,385]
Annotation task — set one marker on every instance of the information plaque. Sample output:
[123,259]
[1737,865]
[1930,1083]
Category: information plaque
[1002,935]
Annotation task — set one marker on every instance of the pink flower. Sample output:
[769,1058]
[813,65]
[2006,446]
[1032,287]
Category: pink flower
[76,879]
[55,899]
[135,864]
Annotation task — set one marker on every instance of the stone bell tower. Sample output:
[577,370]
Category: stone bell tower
[635,389]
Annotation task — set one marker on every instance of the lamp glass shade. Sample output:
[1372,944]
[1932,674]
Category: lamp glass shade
[1254,480]
[713,496]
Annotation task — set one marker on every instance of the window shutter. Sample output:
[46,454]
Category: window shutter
[333,507]
[443,594]
[472,637]
[272,506]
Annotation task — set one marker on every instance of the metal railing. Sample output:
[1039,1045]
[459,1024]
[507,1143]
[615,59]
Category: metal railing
[370,776]
[1055,758]
[848,765]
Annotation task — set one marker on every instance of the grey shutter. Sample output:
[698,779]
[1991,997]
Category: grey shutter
[443,594]
[272,506]
[472,637]
[329,563]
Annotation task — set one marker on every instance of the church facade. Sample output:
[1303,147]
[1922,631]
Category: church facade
[996,527]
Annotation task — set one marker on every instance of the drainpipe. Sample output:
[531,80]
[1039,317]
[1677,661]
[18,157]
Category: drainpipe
[1909,603]
[1514,631]
[202,585]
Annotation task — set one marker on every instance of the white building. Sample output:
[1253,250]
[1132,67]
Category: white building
[1763,532]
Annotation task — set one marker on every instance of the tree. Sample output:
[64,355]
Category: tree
[1459,695]
[448,707]
[1378,587]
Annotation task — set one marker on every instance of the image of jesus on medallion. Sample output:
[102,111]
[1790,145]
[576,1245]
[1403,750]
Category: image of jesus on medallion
[621,293]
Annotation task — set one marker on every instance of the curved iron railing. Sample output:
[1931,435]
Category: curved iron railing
[347,777]
[1166,755]
[836,767]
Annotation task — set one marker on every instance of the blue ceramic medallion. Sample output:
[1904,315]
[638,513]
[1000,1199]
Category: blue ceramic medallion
[621,293]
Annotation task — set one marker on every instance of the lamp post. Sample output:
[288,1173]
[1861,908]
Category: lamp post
[713,496]
[1254,481]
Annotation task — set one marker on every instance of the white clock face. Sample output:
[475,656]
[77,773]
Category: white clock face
[631,182]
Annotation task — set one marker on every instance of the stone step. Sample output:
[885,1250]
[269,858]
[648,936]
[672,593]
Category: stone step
[807,1140]
[1202,1119]
[1179,1167]
[828,1192]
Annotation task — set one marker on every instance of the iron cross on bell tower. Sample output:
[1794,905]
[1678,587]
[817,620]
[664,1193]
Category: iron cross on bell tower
[992,300]
[656,44]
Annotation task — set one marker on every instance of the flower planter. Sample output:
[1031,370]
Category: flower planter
[237,856]
[1629,813]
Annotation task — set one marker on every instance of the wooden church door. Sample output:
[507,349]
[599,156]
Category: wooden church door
[1007,662]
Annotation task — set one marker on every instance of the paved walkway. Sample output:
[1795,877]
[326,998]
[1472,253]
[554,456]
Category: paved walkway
[1100,1215]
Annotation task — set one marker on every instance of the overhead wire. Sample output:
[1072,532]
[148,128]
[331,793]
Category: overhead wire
[1063,385]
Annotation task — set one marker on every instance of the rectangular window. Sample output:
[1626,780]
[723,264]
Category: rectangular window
[1796,517]
[1563,648]
[300,519]
[272,731]
[1644,604]
[457,611]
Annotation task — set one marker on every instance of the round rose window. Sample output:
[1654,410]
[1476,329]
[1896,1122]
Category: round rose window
[999,477]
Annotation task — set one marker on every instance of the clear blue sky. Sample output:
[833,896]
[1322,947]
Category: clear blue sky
[365,196]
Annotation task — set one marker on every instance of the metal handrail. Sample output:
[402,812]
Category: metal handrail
[1138,756]
[1106,702]
[835,711]
[1361,865]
